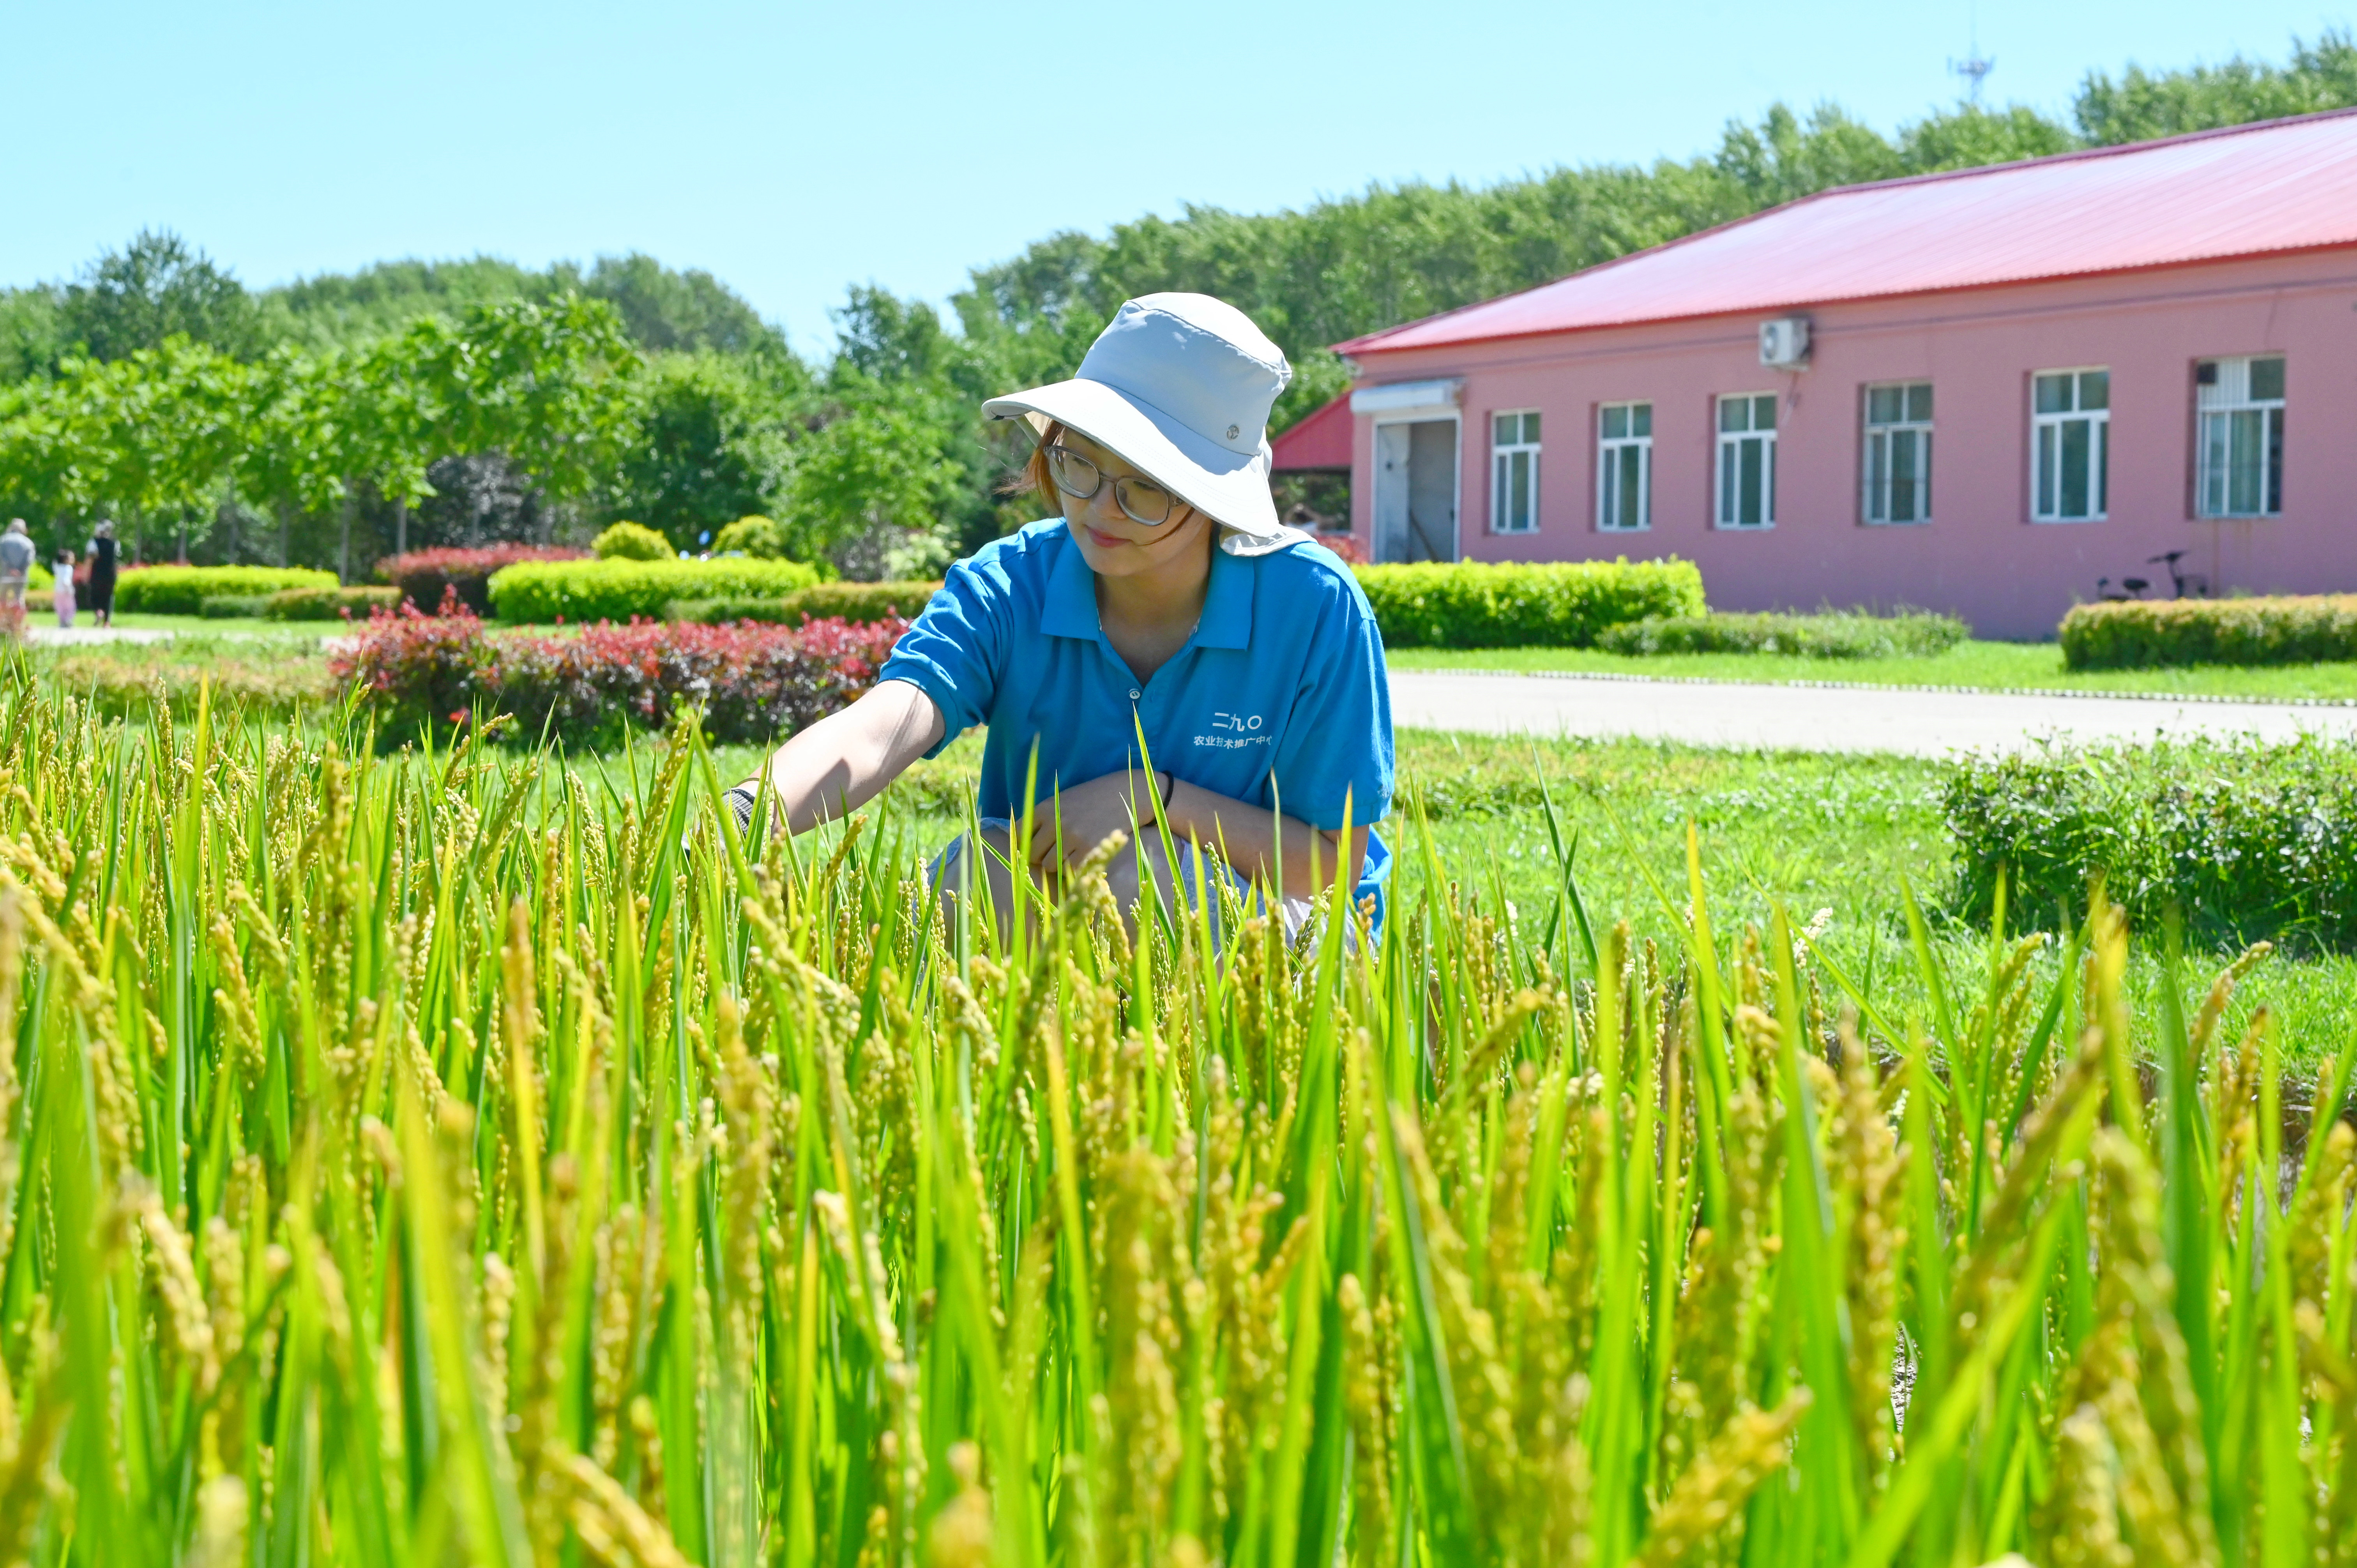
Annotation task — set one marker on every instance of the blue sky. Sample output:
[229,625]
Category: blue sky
[794,149]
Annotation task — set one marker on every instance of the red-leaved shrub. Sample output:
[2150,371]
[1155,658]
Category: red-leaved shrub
[754,682]
[424,576]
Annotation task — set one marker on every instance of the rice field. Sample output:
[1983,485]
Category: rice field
[454,1157]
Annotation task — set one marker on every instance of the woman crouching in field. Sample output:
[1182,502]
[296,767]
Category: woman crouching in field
[1167,601]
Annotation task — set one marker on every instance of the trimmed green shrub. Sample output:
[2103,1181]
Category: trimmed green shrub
[756,536]
[1830,633]
[329,604]
[861,604]
[428,577]
[2247,840]
[2140,634]
[549,591]
[632,541]
[242,606]
[1553,605]
[182,590]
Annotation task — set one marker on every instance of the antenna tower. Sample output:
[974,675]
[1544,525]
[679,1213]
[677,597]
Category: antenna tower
[1975,65]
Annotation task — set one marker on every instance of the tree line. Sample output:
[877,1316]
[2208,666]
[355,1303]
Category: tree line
[330,420]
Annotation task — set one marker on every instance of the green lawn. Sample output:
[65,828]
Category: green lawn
[1987,664]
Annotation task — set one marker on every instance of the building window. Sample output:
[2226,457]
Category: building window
[1514,489]
[1899,453]
[2071,446]
[1624,466]
[2238,442]
[1747,460]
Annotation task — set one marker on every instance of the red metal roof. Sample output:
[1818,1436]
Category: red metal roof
[1319,440]
[2284,185]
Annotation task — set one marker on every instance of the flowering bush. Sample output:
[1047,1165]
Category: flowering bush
[753,682]
[423,575]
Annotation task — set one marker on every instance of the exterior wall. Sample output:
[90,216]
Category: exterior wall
[1980,556]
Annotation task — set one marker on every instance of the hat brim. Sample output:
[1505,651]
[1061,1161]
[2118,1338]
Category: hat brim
[1230,488]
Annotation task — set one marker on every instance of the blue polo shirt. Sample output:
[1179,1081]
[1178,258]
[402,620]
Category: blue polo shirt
[1279,699]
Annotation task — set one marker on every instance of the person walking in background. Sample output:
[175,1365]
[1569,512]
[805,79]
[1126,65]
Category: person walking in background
[101,575]
[16,565]
[61,595]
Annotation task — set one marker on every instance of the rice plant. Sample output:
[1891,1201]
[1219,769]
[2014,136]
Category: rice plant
[434,1158]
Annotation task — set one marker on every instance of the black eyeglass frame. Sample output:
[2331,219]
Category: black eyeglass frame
[1059,455]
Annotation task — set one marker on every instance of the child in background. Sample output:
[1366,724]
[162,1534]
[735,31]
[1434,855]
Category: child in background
[62,595]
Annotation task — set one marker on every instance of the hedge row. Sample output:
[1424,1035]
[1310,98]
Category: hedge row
[424,576]
[1836,634]
[2139,634]
[1557,605]
[546,592]
[752,684]
[329,604]
[859,603]
[183,590]
[2247,840]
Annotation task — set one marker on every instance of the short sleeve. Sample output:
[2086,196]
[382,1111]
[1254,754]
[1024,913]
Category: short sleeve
[1336,743]
[955,650]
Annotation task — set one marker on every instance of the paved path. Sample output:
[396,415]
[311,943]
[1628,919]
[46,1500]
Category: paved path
[54,635]
[1915,720]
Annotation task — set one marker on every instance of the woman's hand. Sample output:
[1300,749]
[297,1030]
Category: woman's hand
[1128,801]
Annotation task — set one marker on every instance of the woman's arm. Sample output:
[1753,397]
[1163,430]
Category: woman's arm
[1248,837]
[846,759]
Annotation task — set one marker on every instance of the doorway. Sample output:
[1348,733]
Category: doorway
[1415,490]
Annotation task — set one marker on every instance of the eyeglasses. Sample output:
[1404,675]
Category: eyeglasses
[1141,499]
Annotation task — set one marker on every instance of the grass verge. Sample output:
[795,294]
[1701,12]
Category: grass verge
[1993,665]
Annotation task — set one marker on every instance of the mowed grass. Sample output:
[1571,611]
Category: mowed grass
[1997,666]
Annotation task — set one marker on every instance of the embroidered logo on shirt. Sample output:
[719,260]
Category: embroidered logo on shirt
[1244,729]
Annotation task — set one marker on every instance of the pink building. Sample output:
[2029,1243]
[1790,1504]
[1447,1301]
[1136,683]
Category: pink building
[1983,391]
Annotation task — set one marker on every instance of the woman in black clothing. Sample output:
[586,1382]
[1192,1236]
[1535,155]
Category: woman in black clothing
[102,574]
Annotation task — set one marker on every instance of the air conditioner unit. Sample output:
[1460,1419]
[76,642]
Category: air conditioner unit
[1784,343]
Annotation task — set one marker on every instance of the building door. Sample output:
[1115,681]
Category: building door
[1415,490]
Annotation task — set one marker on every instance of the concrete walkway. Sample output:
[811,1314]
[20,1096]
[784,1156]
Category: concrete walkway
[55,636]
[1912,720]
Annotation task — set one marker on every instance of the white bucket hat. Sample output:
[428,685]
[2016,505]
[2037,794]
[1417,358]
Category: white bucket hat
[1180,385]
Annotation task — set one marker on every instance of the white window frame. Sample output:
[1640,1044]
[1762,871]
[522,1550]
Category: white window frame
[1502,455]
[2220,411]
[2047,434]
[1727,457]
[1610,451]
[1877,492]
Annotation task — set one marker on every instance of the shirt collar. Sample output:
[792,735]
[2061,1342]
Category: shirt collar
[1070,608]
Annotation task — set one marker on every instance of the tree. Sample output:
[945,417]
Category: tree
[550,385]
[871,488]
[712,443]
[157,287]
[674,312]
[2141,106]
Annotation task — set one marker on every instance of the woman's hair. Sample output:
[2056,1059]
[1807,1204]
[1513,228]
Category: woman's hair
[1033,479]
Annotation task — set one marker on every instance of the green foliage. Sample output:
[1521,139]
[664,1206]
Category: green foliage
[1830,633]
[327,604]
[2142,105]
[244,606]
[2249,840]
[712,443]
[543,592]
[860,604]
[155,288]
[632,541]
[755,535]
[870,486]
[183,590]
[1559,605]
[2143,633]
